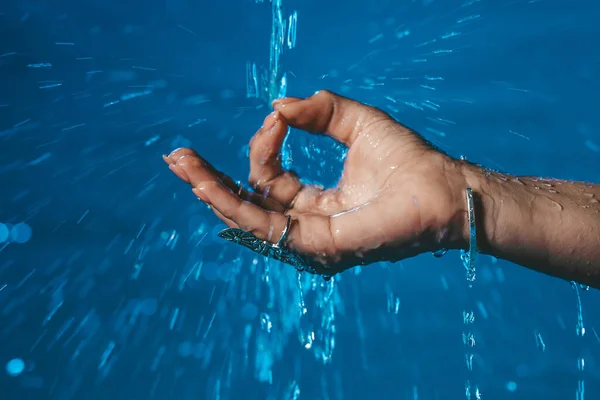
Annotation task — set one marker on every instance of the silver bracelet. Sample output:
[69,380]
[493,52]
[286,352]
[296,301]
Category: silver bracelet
[468,256]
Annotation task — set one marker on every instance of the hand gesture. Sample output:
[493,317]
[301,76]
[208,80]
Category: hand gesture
[398,196]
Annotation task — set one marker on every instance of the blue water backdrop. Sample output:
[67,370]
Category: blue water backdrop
[113,282]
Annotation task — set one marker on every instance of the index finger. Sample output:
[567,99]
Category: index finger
[328,113]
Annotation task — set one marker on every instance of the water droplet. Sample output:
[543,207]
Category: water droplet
[4,233]
[265,322]
[468,317]
[15,367]
[540,342]
[393,303]
[511,386]
[20,233]
[469,339]
[469,361]
[579,328]
[444,283]
[581,363]
[440,253]
[148,306]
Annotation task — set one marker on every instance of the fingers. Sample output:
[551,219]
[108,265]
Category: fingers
[308,234]
[193,169]
[325,112]
[264,224]
[267,175]
[171,161]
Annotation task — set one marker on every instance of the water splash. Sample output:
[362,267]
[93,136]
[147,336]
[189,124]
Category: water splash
[271,82]
[324,291]
[96,308]
[317,331]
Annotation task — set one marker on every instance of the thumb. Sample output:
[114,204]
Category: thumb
[325,112]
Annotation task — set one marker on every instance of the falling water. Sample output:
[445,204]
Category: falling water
[314,315]
[113,282]
[468,258]
[270,83]
[580,330]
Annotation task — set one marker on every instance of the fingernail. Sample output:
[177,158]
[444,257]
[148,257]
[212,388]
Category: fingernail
[276,104]
[167,159]
[270,121]
[201,195]
[174,151]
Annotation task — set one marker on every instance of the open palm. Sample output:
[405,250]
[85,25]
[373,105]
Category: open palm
[395,198]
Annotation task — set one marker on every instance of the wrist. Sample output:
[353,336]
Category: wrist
[488,204]
[503,211]
[546,225]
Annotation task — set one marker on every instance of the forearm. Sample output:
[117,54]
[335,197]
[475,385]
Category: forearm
[551,226]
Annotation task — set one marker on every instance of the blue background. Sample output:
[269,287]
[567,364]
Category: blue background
[116,238]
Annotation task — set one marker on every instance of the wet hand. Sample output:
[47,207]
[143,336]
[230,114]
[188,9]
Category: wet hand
[397,197]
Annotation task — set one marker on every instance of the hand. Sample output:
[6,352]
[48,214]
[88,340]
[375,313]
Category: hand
[398,196]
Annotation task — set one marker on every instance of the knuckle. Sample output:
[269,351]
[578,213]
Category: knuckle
[181,152]
[253,180]
[329,97]
[187,161]
[228,213]
[324,93]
